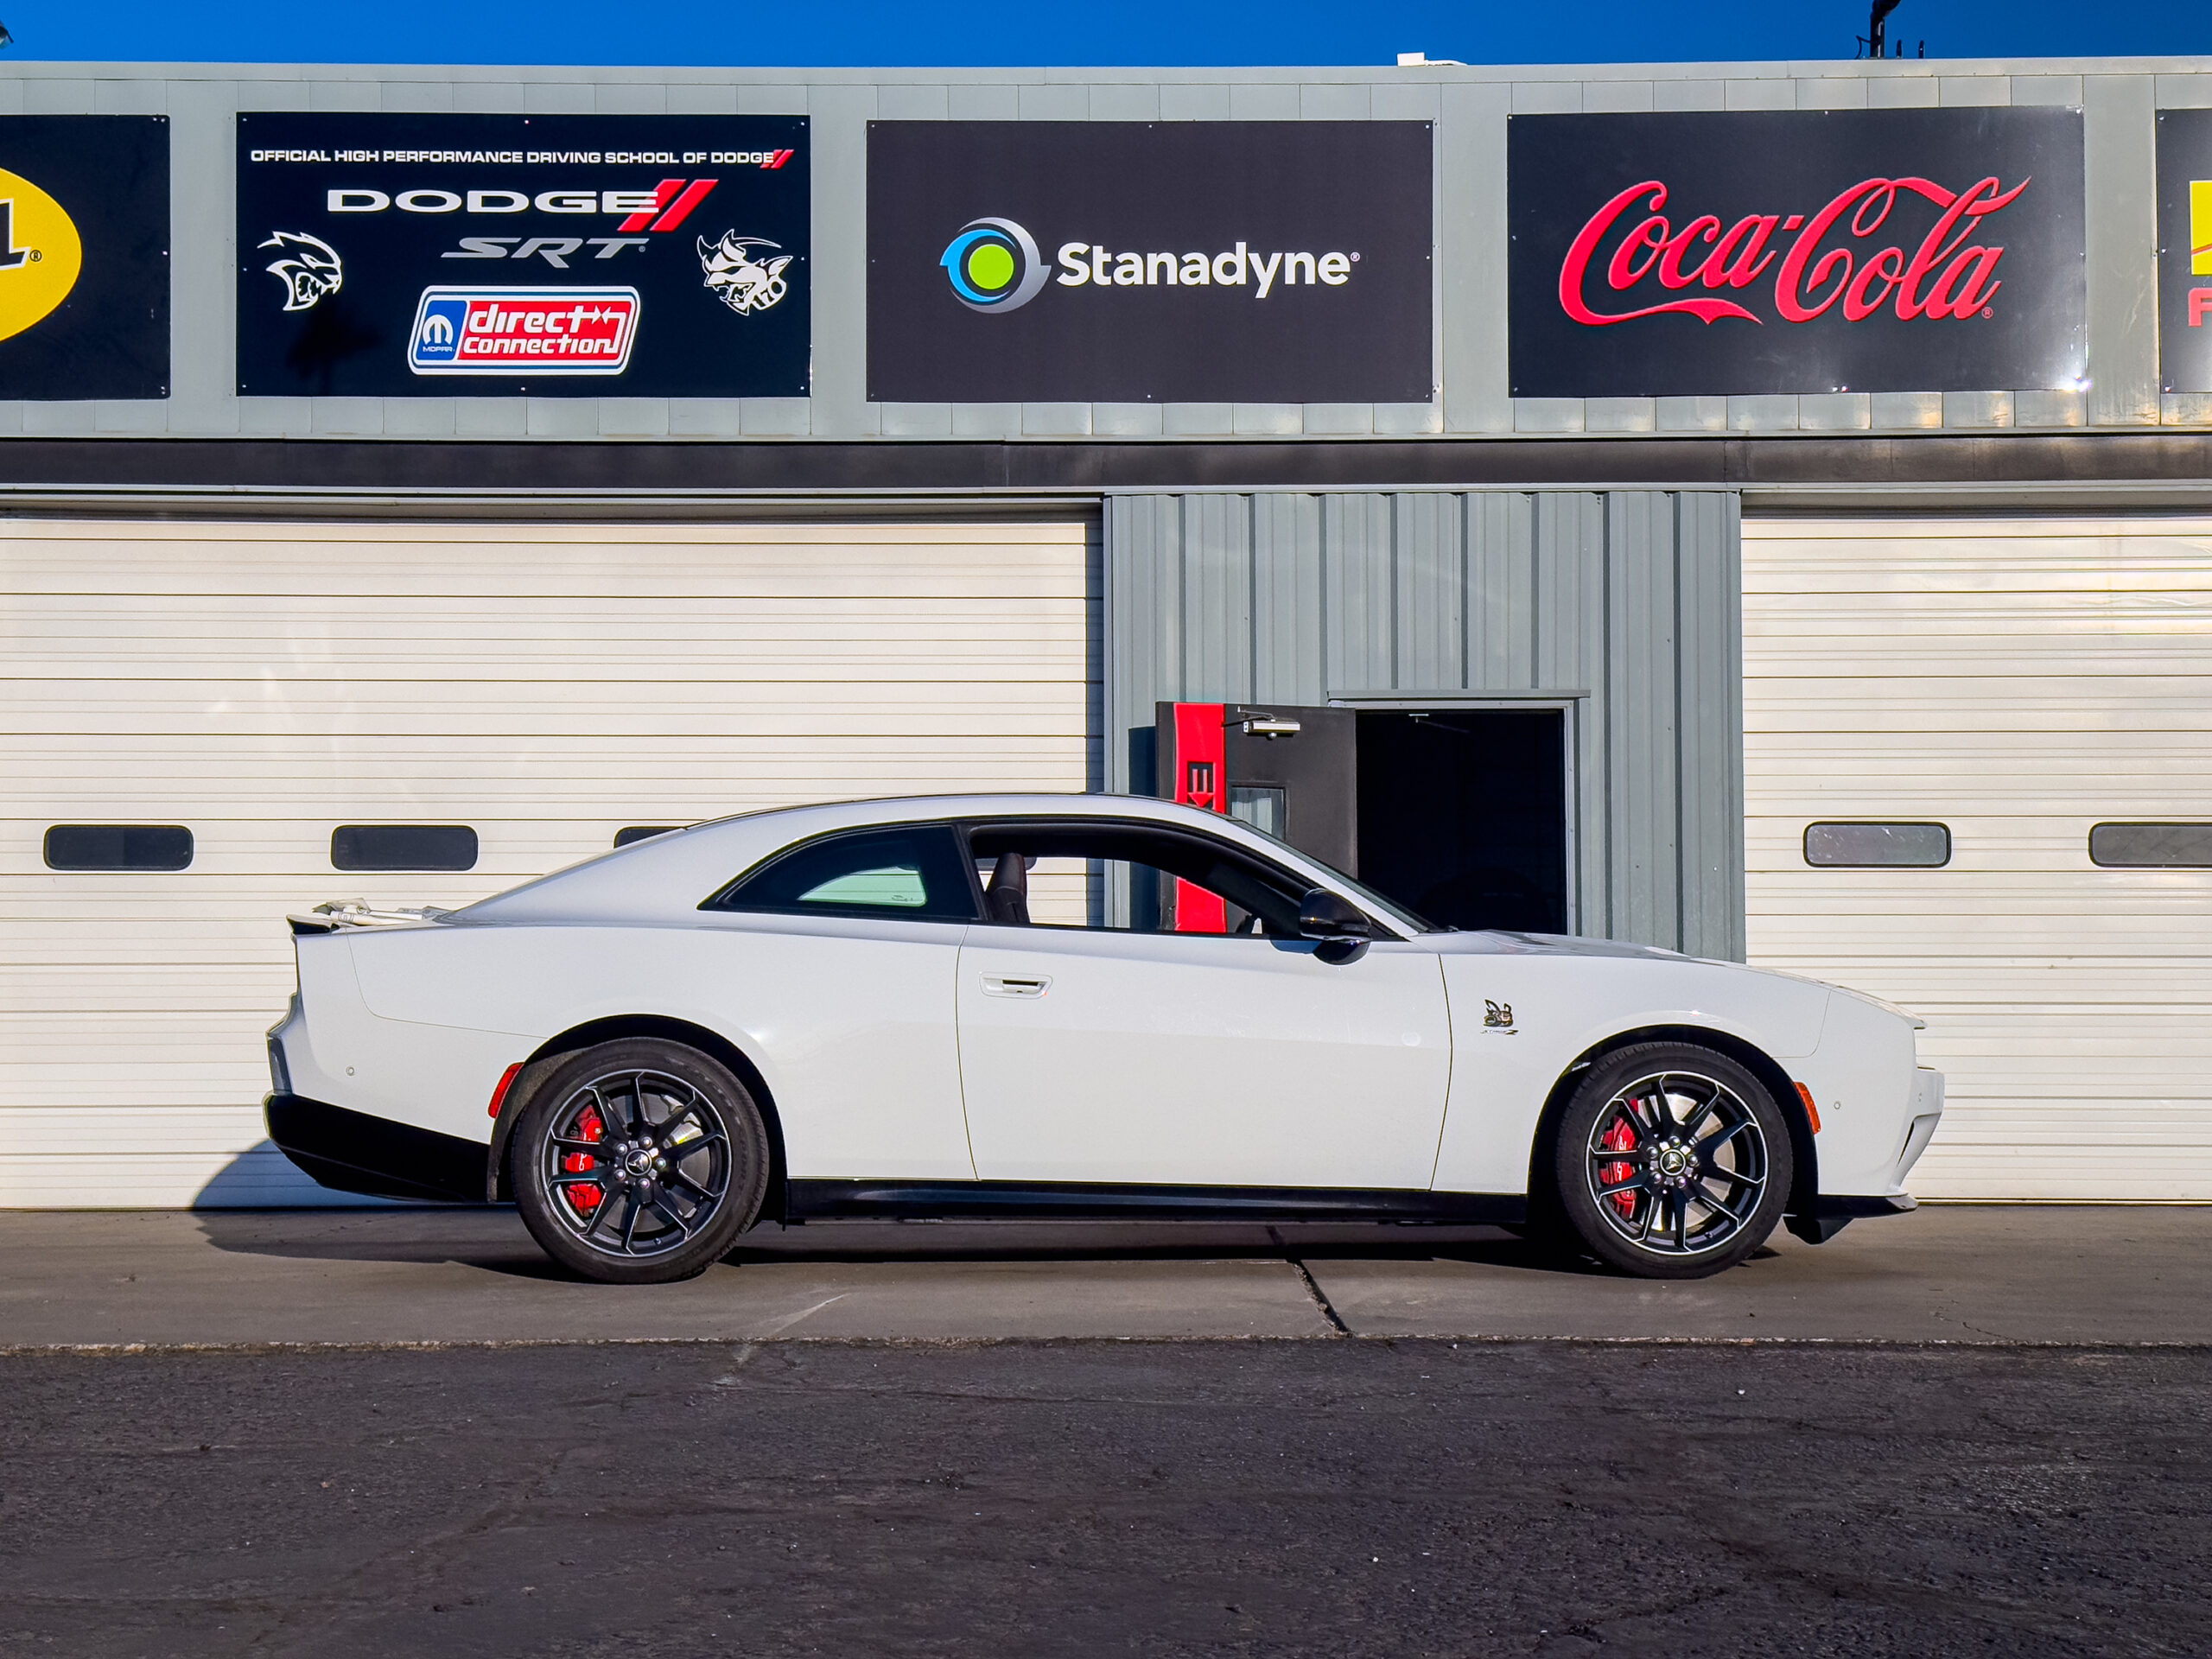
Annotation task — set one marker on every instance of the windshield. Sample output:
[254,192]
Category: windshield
[1411,921]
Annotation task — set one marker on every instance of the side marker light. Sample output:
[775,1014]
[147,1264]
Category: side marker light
[1811,1112]
[507,1081]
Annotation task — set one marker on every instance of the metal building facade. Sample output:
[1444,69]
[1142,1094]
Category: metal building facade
[1620,607]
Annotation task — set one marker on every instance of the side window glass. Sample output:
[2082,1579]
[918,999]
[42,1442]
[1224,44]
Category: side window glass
[1078,875]
[913,874]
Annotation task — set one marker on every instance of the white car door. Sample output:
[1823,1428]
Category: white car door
[1109,1055]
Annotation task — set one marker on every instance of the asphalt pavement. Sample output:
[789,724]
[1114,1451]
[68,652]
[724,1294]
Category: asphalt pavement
[1337,1498]
[1970,1431]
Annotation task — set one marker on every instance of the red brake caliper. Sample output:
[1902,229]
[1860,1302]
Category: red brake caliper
[585,1196]
[1620,1138]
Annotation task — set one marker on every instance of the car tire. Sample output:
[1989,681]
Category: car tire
[639,1162]
[1671,1162]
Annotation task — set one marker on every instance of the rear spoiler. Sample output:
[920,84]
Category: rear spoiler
[340,914]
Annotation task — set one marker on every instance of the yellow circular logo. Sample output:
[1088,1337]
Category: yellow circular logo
[40,254]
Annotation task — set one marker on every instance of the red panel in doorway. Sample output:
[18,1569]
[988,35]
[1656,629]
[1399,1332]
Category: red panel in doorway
[1201,780]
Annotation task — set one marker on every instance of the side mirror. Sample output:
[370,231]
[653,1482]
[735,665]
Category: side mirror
[1341,926]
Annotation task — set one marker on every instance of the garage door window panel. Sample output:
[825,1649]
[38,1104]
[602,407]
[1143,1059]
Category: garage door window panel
[1871,846]
[403,847]
[146,847]
[2151,846]
[911,874]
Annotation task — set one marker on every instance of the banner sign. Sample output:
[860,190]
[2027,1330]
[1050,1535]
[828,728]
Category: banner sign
[1933,250]
[84,256]
[2185,250]
[1131,262]
[581,256]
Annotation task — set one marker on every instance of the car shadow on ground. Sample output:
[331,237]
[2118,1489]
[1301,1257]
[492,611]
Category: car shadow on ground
[492,1239]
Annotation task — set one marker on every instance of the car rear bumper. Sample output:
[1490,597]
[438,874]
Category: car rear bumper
[352,1152]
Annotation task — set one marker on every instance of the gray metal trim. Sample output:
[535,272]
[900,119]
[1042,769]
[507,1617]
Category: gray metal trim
[1432,596]
[1458,699]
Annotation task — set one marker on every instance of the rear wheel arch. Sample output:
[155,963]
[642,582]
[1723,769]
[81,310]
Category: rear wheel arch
[1804,1187]
[542,1064]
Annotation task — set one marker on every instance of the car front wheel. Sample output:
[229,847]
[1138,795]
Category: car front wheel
[1673,1162]
[640,1161]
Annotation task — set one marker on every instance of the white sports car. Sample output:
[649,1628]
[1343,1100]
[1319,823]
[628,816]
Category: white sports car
[1067,1006]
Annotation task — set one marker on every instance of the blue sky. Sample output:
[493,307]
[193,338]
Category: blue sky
[876,32]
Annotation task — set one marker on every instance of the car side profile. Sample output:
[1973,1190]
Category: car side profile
[1066,1006]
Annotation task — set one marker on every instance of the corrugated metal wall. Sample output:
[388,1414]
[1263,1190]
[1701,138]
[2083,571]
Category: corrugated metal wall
[1625,604]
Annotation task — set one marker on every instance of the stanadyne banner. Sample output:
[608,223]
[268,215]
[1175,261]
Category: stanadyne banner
[441,255]
[1795,251]
[84,256]
[2185,250]
[1171,262]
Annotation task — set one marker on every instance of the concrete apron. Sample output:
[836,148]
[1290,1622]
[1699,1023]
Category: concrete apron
[2004,1274]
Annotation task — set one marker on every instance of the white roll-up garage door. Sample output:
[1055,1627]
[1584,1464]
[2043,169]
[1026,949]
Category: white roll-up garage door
[2019,682]
[261,685]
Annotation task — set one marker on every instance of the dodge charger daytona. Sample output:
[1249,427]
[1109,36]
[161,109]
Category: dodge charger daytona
[1065,1006]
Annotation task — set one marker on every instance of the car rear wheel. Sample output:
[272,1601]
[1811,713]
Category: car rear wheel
[1673,1162]
[640,1161]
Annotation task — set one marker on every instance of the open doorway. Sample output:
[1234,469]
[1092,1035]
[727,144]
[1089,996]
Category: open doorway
[1462,814]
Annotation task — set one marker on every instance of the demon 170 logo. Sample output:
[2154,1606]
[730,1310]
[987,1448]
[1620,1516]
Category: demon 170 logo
[1947,276]
[513,331]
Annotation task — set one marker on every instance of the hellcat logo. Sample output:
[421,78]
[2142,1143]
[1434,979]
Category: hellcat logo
[310,269]
[40,254]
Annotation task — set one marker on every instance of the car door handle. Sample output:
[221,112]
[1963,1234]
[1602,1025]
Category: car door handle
[1016,984]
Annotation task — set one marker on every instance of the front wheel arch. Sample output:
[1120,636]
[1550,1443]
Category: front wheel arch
[548,1054]
[1805,1183]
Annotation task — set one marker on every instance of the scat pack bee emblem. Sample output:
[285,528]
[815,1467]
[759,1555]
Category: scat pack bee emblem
[1498,1016]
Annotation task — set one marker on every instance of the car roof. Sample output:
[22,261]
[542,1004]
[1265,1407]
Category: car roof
[666,878]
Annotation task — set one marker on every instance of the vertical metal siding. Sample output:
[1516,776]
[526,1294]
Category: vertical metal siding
[1628,600]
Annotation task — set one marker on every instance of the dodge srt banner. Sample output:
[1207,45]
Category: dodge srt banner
[1129,262]
[2185,250]
[1794,251]
[440,255]
[84,256]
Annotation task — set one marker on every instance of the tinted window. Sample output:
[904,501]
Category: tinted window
[2151,846]
[403,847]
[914,873]
[1059,875]
[118,846]
[1876,846]
[643,832]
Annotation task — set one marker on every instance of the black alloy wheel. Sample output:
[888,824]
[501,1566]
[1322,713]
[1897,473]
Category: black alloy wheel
[1673,1161]
[640,1161]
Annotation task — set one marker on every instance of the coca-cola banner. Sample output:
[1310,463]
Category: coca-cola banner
[1795,251]
[2185,250]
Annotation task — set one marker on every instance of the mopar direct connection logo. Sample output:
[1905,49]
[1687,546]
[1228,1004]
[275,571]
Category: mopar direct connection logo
[993,265]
